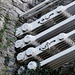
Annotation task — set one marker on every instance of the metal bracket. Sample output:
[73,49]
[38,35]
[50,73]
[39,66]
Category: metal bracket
[44,19]
[32,52]
[30,38]
[68,54]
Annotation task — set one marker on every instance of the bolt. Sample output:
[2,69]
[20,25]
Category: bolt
[26,27]
[18,44]
[59,9]
[18,31]
[30,52]
[28,39]
[21,56]
[62,36]
[32,65]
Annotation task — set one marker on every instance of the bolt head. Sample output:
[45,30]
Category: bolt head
[62,36]
[32,65]
[18,32]
[59,9]
[18,44]
[21,69]
[21,56]
[26,27]
[30,51]
[28,38]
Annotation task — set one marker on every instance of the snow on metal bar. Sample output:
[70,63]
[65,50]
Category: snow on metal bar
[56,60]
[33,52]
[28,27]
[29,39]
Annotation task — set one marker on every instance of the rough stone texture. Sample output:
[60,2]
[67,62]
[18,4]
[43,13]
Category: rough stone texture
[1,62]
[6,1]
[1,25]
[1,22]
[7,54]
